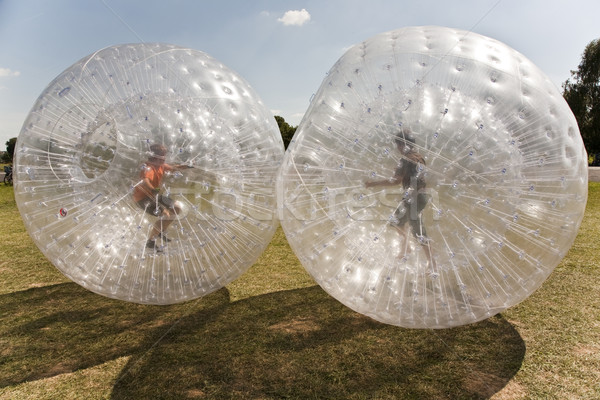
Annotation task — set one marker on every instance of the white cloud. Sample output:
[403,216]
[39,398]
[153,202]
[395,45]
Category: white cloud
[6,72]
[295,17]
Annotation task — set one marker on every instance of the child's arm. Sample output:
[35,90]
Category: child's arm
[395,181]
[177,167]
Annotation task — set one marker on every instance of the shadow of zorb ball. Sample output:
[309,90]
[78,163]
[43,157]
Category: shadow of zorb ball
[437,179]
[146,172]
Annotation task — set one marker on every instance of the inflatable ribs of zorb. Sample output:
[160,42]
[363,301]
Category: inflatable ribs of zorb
[84,146]
[437,178]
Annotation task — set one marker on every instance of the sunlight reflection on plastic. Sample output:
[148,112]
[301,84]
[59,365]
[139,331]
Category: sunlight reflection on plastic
[437,179]
[96,132]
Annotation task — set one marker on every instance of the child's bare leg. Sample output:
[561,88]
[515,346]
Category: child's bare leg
[429,254]
[165,220]
[404,237]
[161,225]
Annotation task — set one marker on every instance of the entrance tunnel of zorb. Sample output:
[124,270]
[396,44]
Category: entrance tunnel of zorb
[497,162]
[81,151]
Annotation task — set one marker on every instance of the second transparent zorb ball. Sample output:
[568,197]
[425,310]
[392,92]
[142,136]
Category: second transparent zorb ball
[437,178]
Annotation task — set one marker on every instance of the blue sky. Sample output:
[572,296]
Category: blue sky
[282,48]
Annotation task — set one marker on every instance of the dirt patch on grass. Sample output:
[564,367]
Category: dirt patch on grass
[6,349]
[587,350]
[60,368]
[57,369]
[512,391]
[159,323]
[37,285]
[297,326]
[482,383]
[195,394]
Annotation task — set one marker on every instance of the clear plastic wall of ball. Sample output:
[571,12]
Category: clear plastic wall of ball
[146,172]
[437,178]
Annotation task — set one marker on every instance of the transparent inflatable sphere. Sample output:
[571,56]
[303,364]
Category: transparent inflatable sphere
[146,172]
[437,178]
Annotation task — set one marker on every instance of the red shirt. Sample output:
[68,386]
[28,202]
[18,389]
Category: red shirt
[154,174]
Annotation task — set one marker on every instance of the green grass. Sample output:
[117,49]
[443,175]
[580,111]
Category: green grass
[273,334]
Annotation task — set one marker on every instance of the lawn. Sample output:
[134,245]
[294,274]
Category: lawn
[274,334]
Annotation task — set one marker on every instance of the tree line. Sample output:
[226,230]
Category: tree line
[7,157]
[582,93]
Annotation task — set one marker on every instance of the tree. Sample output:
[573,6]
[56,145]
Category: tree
[582,93]
[287,131]
[10,150]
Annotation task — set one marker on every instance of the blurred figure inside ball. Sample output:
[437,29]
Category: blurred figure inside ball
[147,194]
[409,174]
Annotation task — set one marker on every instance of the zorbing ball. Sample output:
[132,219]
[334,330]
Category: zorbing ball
[437,178]
[91,140]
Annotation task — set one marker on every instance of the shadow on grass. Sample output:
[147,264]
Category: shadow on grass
[304,344]
[62,328]
[292,344]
